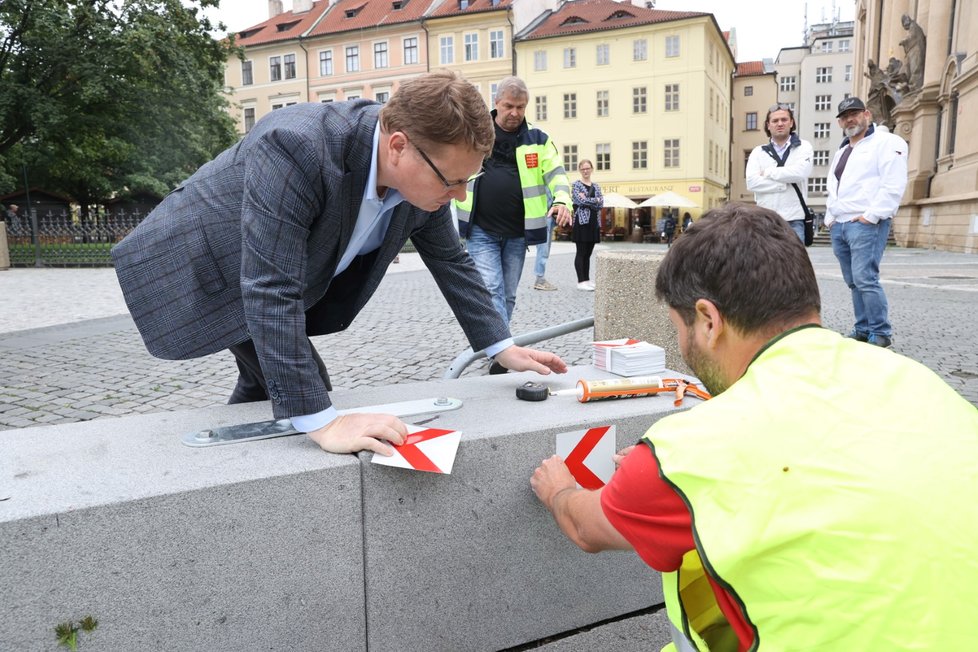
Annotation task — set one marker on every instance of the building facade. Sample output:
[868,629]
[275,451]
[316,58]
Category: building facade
[644,94]
[935,51]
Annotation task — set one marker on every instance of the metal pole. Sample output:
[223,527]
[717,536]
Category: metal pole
[467,357]
[33,219]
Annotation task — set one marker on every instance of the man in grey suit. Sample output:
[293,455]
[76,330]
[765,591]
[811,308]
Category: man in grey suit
[288,233]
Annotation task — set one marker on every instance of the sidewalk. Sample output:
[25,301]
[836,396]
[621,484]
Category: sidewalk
[70,352]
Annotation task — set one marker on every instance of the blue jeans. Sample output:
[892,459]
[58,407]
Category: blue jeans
[543,251]
[799,228]
[500,262]
[859,248]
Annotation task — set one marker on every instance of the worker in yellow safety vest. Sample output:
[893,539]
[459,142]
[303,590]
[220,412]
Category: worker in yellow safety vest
[522,185]
[823,499]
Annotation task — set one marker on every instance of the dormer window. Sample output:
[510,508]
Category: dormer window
[284,27]
[573,20]
[399,4]
[352,13]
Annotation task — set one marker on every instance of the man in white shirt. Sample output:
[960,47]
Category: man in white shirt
[866,182]
[778,171]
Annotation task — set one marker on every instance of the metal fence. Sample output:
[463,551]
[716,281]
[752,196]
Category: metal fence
[65,240]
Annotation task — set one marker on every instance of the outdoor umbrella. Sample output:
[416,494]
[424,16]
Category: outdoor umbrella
[615,200]
[670,199]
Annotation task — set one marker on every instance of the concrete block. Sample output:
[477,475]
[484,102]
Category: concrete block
[241,547]
[625,303]
[471,560]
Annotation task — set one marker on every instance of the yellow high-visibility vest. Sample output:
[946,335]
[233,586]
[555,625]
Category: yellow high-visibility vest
[833,494]
[541,172]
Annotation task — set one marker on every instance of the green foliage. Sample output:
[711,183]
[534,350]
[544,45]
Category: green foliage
[105,98]
[67,632]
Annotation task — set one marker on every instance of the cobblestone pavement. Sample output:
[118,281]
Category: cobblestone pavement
[87,361]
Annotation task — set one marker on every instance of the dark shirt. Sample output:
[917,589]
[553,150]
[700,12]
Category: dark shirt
[498,205]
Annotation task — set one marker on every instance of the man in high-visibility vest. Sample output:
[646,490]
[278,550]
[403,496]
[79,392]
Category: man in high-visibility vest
[507,207]
[823,499]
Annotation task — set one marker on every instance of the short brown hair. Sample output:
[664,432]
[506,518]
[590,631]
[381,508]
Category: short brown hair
[440,108]
[748,262]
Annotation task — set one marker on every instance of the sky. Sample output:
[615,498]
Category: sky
[753,20]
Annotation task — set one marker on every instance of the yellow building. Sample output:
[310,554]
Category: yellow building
[755,90]
[940,206]
[645,94]
[474,38]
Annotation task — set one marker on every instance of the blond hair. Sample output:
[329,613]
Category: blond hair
[440,108]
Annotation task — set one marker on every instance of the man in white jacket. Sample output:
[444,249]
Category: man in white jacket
[866,182]
[773,168]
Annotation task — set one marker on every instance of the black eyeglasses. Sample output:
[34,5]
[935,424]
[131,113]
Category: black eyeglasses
[441,177]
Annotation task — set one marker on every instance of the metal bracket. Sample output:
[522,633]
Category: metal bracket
[283,427]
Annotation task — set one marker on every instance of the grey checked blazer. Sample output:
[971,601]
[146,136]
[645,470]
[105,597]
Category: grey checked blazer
[251,241]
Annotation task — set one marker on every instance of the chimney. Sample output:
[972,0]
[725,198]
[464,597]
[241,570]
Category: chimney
[274,8]
[301,6]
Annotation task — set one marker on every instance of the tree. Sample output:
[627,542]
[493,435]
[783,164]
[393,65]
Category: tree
[101,98]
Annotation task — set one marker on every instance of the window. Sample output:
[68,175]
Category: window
[290,66]
[247,79]
[382,96]
[570,105]
[821,130]
[353,96]
[713,104]
[602,156]
[540,60]
[249,118]
[670,151]
[823,75]
[280,105]
[818,184]
[471,47]
[640,50]
[788,84]
[639,97]
[570,57]
[844,45]
[275,68]
[672,97]
[326,63]
[672,46]
[748,91]
[751,124]
[826,46]
[823,102]
[447,49]
[411,50]
[602,104]
[820,157]
[380,55]
[540,102]
[603,54]
[353,58]
[570,157]
[496,49]
[849,72]
[640,155]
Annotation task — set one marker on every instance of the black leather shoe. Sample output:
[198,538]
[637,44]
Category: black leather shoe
[880,340]
[495,369]
[859,336]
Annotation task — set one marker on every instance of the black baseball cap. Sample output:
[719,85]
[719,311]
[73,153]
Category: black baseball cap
[850,104]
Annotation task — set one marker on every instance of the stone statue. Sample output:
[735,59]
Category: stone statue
[886,89]
[914,45]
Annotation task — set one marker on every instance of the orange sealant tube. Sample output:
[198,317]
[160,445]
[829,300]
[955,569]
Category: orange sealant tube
[596,390]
